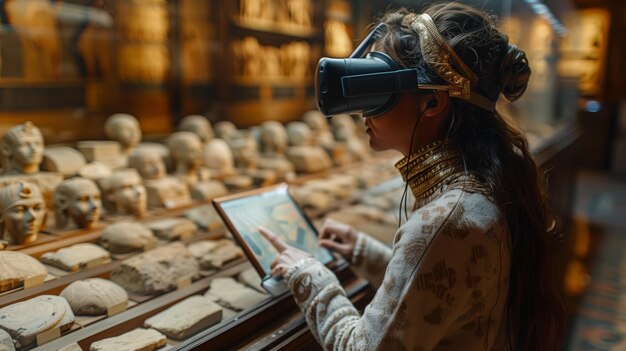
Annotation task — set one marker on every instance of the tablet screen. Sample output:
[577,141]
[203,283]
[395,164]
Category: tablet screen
[276,211]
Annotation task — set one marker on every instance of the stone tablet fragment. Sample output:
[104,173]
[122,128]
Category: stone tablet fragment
[27,319]
[15,267]
[251,278]
[213,254]
[136,340]
[6,343]
[125,237]
[76,257]
[229,293]
[156,271]
[94,296]
[186,317]
[205,217]
[173,228]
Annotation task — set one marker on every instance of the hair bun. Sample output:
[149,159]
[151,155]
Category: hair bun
[514,73]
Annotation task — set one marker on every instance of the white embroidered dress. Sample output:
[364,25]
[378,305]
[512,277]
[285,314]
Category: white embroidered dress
[443,285]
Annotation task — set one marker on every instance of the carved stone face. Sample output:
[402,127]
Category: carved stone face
[125,129]
[148,163]
[186,150]
[199,125]
[273,138]
[126,193]
[22,148]
[77,204]
[23,212]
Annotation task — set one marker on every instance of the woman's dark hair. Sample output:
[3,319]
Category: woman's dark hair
[496,150]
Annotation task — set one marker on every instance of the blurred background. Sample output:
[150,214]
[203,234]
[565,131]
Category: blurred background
[68,65]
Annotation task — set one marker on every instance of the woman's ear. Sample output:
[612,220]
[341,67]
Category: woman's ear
[435,104]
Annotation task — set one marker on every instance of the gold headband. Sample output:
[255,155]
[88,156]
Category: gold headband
[441,58]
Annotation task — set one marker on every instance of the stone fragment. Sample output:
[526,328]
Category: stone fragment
[99,150]
[156,271]
[65,160]
[124,237]
[229,293]
[6,343]
[136,340]
[76,257]
[213,254]
[95,171]
[171,229]
[238,182]
[15,267]
[251,278]
[27,319]
[186,317]
[208,190]
[93,296]
[205,217]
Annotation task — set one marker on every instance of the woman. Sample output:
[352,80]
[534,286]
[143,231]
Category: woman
[471,267]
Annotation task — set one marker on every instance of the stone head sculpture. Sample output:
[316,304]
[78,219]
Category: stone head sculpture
[245,152]
[199,125]
[219,157]
[344,127]
[186,151]
[273,137]
[225,130]
[21,149]
[148,162]
[23,212]
[123,193]
[315,120]
[299,134]
[125,129]
[77,204]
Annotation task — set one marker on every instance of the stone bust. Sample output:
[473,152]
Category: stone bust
[77,204]
[199,125]
[23,212]
[218,157]
[148,162]
[226,130]
[186,151]
[273,139]
[21,149]
[299,134]
[125,129]
[124,193]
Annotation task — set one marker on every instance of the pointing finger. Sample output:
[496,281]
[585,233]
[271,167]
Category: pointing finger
[278,243]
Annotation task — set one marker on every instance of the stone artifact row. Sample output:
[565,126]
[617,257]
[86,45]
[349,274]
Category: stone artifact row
[126,177]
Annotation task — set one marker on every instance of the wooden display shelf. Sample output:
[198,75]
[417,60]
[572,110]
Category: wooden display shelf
[286,29]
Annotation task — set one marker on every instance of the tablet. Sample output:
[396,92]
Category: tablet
[275,209]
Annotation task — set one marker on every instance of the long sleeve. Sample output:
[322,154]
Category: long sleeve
[443,284]
[370,259]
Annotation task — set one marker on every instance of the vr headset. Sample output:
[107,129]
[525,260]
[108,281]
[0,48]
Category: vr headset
[372,84]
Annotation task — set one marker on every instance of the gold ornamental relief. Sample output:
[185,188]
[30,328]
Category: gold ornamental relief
[143,63]
[143,23]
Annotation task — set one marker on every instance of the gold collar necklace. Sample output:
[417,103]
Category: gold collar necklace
[430,168]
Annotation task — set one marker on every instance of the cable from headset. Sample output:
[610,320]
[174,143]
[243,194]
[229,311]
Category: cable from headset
[406,171]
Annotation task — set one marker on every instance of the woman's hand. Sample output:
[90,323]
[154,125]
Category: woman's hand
[288,256]
[338,237]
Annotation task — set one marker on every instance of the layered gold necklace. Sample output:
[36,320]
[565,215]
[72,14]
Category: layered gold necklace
[430,169]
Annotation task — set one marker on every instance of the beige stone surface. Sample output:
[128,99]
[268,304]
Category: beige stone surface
[99,150]
[46,181]
[15,267]
[231,294]
[95,171]
[65,160]
[156,271]
[308,159]
[205,217]
[186,317]
[6,343]
[124,237]
[173,228]
[208,190]
[212,254]
[27,319]
[93,296]
[75,257]
[238,182]
[251,278]
[136,340]
[168,192]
